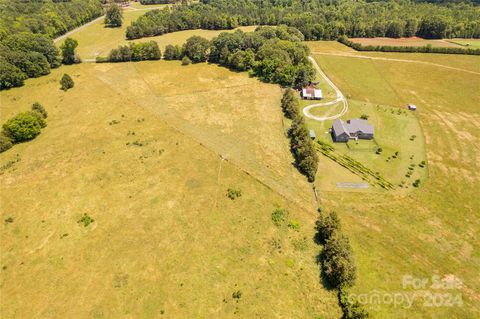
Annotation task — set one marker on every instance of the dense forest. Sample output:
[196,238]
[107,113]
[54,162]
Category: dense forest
[320,19]
[27,29]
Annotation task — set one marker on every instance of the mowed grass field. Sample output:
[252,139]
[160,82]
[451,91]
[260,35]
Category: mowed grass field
[471,43]
[432,230]
[139,147]
[406,42]
[97,40]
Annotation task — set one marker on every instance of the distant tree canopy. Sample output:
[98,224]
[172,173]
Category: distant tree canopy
[319,19]
[26,31]
[113,16]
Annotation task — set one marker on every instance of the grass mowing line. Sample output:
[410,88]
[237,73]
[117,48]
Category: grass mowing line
[396,60]
[300,204]
[354,166]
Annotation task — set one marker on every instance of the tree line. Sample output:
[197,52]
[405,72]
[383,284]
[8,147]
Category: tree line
[26,31]
[319,19]
[422,49]
[275,55]
[306,157]
[133,52]
[338,263]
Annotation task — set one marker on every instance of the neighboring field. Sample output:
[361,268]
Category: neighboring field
[407,42]
[431,231]
[166,239]
[96,40]
[471,43]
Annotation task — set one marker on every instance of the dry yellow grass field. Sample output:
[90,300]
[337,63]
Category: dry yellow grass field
[166,240]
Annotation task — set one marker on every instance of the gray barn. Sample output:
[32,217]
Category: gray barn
[352,129]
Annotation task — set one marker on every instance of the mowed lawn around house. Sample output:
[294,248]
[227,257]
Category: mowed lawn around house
[149,150]
[431,230]
[97,40]
[405,42]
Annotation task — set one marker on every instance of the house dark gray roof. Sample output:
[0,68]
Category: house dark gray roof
[339,127]
[358,125]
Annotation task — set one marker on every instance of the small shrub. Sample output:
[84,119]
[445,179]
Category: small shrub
[37,107]
[364,117]
[422,164]
[66,82]
[233,193]
[9,220]
[237,295]
[416,183]
[279,216]
[85,220]
[379,150]
[5,143]
[295,225]
[300,244]
[186,60]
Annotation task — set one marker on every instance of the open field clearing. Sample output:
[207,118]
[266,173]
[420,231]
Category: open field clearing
[471,43]
[430,231]
[404,42]
[465,63]
[137,149]
[97,40]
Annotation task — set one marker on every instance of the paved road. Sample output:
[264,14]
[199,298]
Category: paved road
[340,98]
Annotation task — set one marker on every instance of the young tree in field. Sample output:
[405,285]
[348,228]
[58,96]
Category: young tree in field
[66,82]
[338,262]
[68,51]
[196,48]
[113,16]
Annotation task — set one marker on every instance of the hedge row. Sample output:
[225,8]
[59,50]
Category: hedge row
[425,49]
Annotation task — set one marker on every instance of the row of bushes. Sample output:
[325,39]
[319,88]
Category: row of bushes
[23,127]
[306,158]
[407,49]
[133,52]
[338,263]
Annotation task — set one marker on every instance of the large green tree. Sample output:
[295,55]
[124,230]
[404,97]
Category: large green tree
[113,16]
[68,51]
[197,49]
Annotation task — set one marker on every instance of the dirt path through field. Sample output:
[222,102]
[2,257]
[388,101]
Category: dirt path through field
[396,60]
[340,98]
